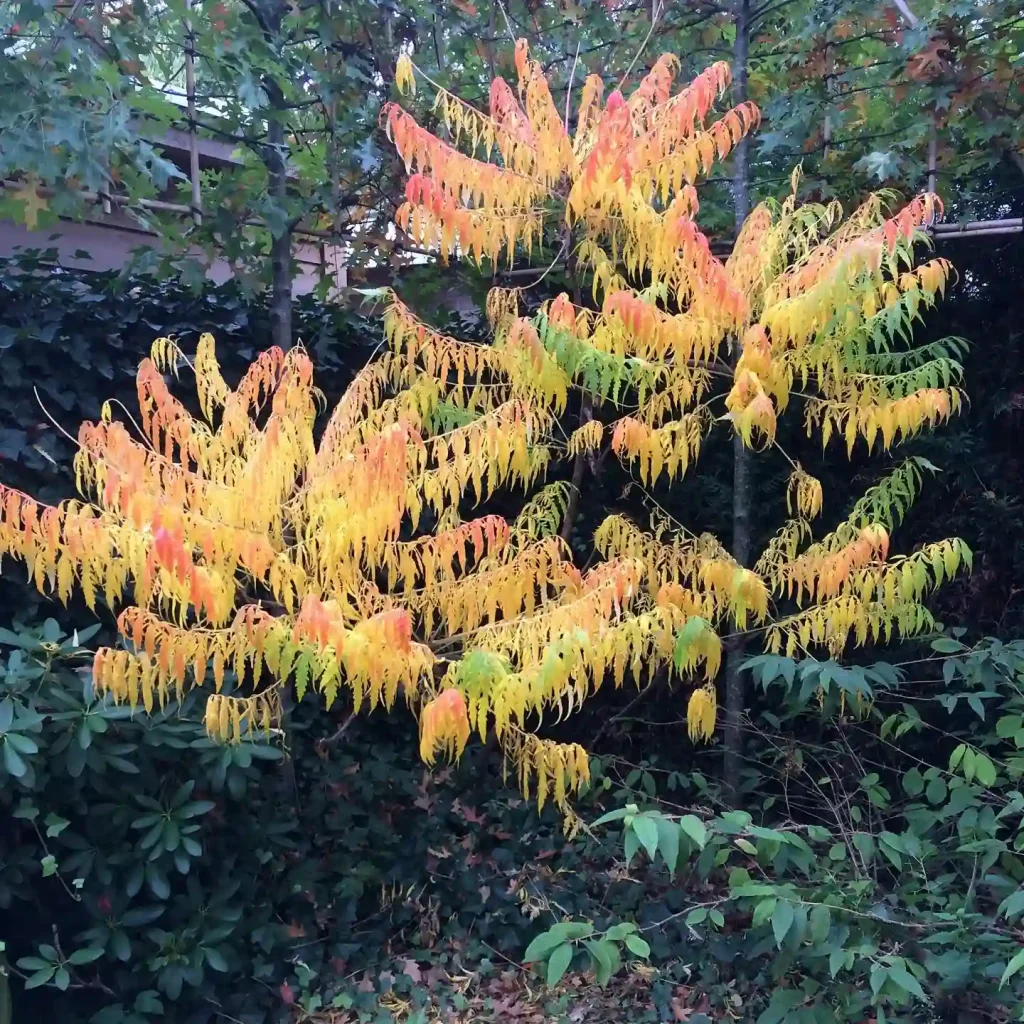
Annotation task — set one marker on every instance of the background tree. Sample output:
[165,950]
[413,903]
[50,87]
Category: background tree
[91,86]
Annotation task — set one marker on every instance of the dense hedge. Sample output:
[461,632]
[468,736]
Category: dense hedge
[341,872]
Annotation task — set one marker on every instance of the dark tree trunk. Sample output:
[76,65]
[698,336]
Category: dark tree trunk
[281,239]
[735,652]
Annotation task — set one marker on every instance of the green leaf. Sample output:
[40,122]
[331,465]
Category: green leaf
[1008,726]
[41,977]
[630,844]
[617,815]
[215,959]
[783,1001]
[638,946]
[836,961]
[195,809]
[85,956]
[558,963]
[22,744]
[763,912]
[1013,904]
[646,831]
[697,915]
[694,828]
[55,825]
[14,762]
[6,714]
[541,946]
[1012,968]
[49,865]
[62,979]
[936,791]
[33,963]
[902,977]
[668,843]
[606,960]
[913,783]
[782,921]
[984,770]
[820,923]
[141,915]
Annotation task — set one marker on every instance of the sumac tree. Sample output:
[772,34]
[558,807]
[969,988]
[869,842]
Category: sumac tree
[255,552]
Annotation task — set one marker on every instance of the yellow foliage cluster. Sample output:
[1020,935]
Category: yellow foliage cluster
[247,547]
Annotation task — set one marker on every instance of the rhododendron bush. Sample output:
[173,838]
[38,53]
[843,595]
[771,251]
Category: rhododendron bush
[251,547]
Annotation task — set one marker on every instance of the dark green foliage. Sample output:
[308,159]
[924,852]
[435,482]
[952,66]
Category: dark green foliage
[877,869]
[77,338]
[148,874]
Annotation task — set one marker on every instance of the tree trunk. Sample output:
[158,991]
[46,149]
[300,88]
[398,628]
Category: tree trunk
[270,15]
[281,238]
[579,467]
[735,652]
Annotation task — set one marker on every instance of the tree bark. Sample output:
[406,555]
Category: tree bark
[281,238]
[579,467]
[269,14]
[735,651]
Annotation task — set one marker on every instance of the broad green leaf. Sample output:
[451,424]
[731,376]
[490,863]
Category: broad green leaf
[1013,904]
[85,956]
[763,912]
[984,770]
[1008,726]
[6,714]
[606,960]
[694,828]
[41,977]
[647,832]
[820,923]
[541,946]
[782,920]
[13,761]
[558,963]
[668,843]
[902,977]
[617,815]
[913,782]
[638,946]
[783,1002]
[837,960]
[1012,968]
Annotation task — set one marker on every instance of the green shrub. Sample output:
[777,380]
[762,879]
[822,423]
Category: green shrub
[877,871]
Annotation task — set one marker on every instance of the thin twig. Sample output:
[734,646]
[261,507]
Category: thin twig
[568,91]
